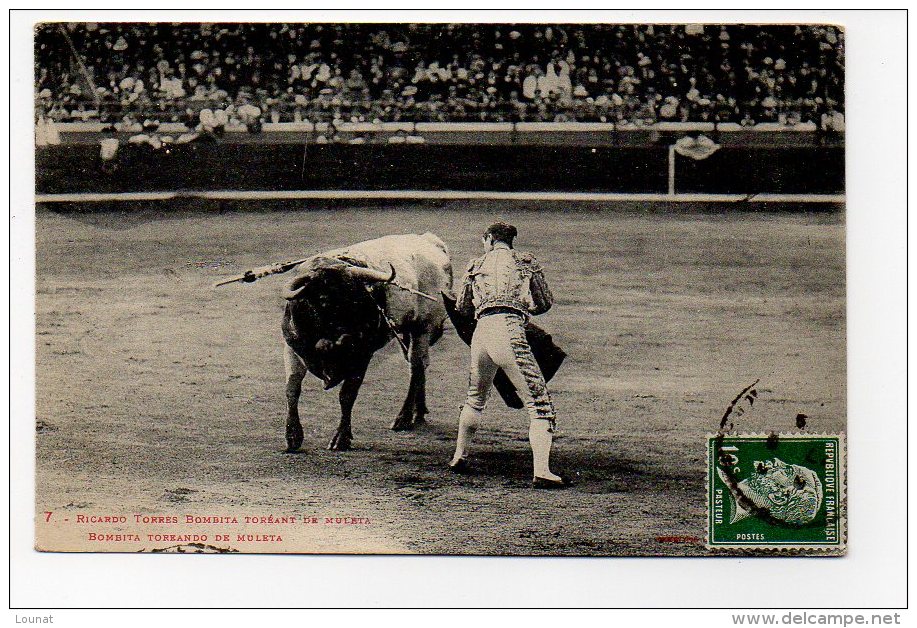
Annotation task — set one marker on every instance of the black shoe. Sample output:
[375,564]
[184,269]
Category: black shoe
[547,485]
[462,466]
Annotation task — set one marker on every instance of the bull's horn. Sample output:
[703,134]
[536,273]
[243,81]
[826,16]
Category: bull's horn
[368,274]
[289,295]
[296,286]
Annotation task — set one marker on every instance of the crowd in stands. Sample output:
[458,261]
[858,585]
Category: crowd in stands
[210,75]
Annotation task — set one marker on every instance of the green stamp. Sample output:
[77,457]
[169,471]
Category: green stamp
[777,491]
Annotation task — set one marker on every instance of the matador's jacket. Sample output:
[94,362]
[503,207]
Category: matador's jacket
[506,278]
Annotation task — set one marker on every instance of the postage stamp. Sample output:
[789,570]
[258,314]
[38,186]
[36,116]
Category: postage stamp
[776,491]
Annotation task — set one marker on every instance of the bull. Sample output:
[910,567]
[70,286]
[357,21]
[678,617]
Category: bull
[344,305]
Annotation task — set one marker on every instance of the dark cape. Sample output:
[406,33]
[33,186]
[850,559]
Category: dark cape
[548,355]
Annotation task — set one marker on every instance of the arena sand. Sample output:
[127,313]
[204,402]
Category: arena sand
[157,393]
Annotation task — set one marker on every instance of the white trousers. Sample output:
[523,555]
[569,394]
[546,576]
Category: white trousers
[499,342]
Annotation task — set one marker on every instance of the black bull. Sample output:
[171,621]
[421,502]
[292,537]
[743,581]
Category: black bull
[333,323]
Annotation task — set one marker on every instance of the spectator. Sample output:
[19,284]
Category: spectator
[360,72]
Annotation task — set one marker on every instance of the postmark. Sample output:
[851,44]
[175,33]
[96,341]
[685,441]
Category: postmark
[776,491]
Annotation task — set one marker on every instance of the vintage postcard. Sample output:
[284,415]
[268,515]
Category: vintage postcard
[449,289]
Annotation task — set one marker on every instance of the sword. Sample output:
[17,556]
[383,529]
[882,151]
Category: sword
[275,269]
[262,271]
[417,292]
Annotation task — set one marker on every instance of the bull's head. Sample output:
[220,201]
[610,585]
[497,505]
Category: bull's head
[329,319]
[354,273]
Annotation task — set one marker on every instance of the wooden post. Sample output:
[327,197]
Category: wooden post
[672,170]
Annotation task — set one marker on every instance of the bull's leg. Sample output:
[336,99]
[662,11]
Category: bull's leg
[420,404]
[415,404]
[420,398]
[420,361]
[296,371]
[348,396]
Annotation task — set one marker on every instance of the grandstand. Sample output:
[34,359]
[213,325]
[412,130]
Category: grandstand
[270,111]
[253,74]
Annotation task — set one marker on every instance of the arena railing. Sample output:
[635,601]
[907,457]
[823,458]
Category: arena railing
[483,127]
[288,116]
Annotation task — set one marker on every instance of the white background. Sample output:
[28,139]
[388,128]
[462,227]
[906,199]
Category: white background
[872,575]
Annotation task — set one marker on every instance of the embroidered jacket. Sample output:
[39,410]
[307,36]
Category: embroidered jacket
[505,277]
